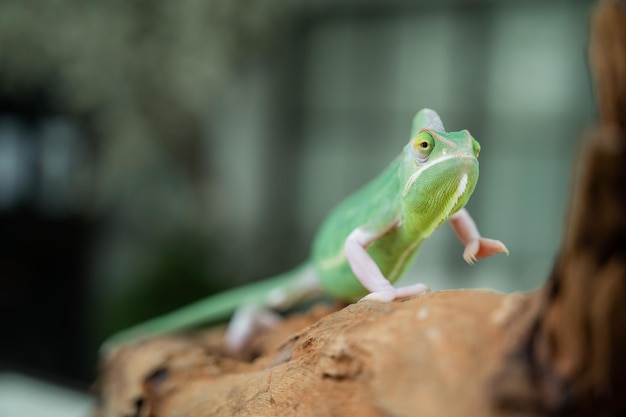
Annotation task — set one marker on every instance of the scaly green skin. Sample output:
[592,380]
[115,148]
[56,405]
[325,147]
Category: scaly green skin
[408,216]
[386,221]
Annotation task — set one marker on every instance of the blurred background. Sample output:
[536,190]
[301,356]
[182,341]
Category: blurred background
[154,152]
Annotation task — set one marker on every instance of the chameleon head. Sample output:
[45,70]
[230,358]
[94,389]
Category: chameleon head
[442,171]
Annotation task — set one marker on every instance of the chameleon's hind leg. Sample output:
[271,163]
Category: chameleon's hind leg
[249,319]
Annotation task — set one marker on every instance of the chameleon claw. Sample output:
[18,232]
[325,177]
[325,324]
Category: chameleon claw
[380,296]
[481,248]
[387,296]
[471,249]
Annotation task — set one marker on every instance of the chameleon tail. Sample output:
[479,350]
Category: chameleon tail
[279,292]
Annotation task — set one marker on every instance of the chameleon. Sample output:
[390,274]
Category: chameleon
[365,243]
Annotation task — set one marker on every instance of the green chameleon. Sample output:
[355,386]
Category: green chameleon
[365,243]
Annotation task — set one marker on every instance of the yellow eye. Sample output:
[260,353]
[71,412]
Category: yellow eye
[422,146]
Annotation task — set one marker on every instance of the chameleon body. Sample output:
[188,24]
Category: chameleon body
[368,240]
[399,210]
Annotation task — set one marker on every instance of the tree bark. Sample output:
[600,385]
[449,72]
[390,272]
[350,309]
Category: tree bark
[572,359]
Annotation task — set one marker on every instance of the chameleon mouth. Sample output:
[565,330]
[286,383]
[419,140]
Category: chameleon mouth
[468,160]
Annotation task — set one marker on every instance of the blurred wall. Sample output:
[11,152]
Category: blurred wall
[154,152]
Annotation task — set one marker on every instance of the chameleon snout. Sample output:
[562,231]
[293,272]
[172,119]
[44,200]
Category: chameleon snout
[464,154]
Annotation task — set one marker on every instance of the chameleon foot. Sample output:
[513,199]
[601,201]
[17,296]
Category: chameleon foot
[245,323]
[481,248]
[388,295]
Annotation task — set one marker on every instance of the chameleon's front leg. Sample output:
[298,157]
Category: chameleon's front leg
[369,274]
[476,247]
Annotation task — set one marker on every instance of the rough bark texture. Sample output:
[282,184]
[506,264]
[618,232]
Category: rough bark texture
[369,359]
[560,351]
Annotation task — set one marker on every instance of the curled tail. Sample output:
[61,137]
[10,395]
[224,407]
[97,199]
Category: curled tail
[279,292]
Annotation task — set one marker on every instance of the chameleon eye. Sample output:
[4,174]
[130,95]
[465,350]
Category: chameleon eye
[422,146]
